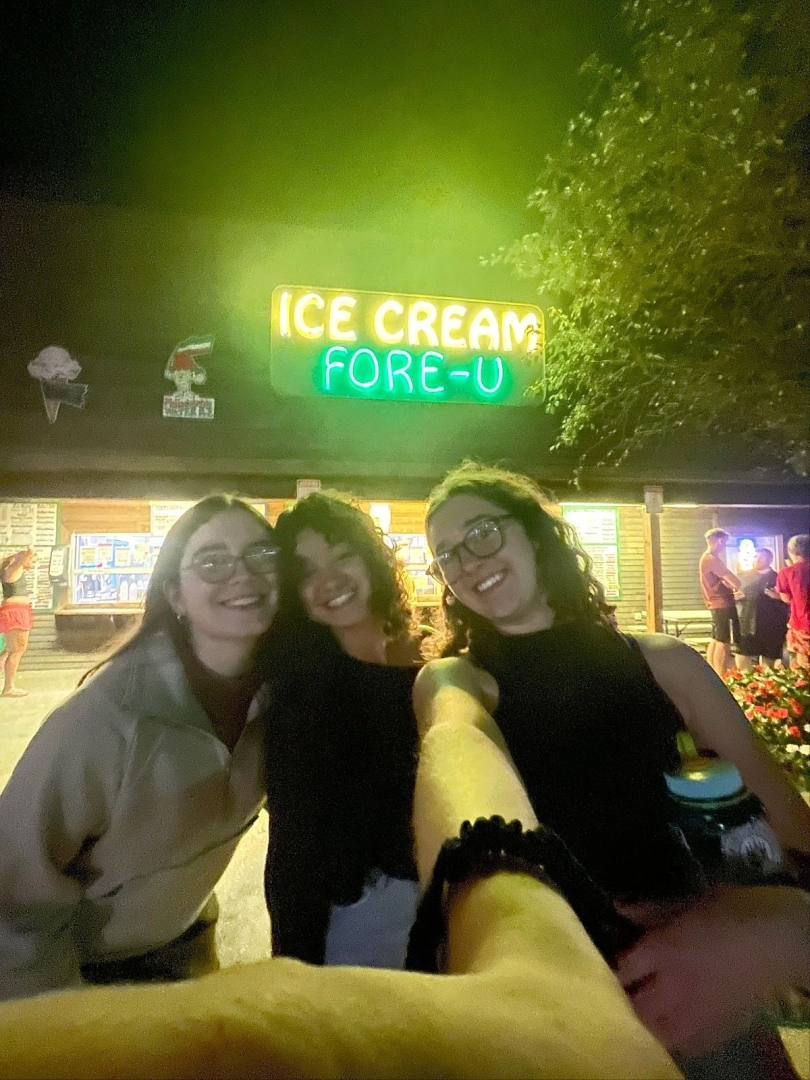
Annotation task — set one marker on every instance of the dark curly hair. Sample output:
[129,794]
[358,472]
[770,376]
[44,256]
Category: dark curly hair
[572,592]
[337,517]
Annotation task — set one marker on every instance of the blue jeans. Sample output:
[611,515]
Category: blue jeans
[374,931]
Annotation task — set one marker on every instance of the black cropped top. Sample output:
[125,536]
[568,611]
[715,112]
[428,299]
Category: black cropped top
[592,735]
[14,588]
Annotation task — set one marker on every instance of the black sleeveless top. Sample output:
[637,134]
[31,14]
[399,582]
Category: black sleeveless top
[341,763]
[14,588]
[592,735]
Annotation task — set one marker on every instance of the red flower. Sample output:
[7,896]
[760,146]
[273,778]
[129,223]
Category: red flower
[801,682]
[796,707]
[794,731]
[781,714]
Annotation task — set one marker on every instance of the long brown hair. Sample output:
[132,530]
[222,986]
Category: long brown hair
[158,613]
[564,569]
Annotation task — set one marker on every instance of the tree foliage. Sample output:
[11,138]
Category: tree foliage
[671,247]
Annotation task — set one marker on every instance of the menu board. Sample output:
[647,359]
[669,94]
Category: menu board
[28,524]
[597,529]
[112,568]
[414,556]
[31,524]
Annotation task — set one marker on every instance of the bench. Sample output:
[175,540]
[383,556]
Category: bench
[681,623]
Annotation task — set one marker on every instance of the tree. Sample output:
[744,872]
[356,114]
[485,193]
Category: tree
[671,248]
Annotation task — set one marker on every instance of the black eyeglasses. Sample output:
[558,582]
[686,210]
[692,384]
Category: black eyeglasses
[215,567]
[484,538]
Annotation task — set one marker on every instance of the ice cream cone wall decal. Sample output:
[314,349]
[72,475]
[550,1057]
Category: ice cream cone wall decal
[55,368]
[185,371]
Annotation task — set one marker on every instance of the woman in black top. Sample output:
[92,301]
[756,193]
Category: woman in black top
[763,619]
[341,742]
[590,720]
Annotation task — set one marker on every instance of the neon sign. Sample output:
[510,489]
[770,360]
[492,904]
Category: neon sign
[397,347]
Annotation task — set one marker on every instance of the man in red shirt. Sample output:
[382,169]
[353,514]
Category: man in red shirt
[793,586]
[718,585]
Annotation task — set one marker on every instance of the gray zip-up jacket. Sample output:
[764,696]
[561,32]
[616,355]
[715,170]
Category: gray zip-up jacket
[117,823]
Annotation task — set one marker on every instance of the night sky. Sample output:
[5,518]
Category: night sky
[363,113]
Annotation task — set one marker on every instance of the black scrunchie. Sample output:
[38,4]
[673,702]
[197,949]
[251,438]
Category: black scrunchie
[491,845]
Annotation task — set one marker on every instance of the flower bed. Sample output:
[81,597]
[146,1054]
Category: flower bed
[777,703]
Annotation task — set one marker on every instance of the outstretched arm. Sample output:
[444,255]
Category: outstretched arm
[15,565]
[530,996]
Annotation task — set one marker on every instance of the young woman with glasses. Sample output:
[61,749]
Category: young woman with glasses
[590,719]
[341,742]
[126,807]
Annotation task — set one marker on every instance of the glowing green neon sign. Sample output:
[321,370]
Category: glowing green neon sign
[404,348]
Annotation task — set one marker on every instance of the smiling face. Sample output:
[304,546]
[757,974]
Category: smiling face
[504,587]
[239,609]
[335,586]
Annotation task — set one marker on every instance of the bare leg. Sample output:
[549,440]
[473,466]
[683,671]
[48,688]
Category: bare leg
[746,663]
[16,644]
[722,657]
[710,653]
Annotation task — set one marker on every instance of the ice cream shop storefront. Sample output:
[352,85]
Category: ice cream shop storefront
[96,556]
[269,360]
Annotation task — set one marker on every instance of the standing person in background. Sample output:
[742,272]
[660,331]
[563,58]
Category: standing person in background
[793,587]
[341,742]
[16,617]
[127,805]
[718,584]
[763,618]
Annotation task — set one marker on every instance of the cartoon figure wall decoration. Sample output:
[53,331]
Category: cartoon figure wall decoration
[185,372]
[55,369]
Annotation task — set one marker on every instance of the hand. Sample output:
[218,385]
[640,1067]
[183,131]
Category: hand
[696,978]
[773,594]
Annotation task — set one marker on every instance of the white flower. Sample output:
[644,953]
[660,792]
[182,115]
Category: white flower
[805,749]
[807,727]
[792,748]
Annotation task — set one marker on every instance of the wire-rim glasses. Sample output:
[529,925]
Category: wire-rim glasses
[483,539]
[216,567]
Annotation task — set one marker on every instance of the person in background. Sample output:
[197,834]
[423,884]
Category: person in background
[763,618]
[718,584]
[793,587]
[341,742]
[528,994]
[16,617]
[127,805]
[591,719]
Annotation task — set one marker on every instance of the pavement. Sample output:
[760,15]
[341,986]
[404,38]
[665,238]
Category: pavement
[243,930]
